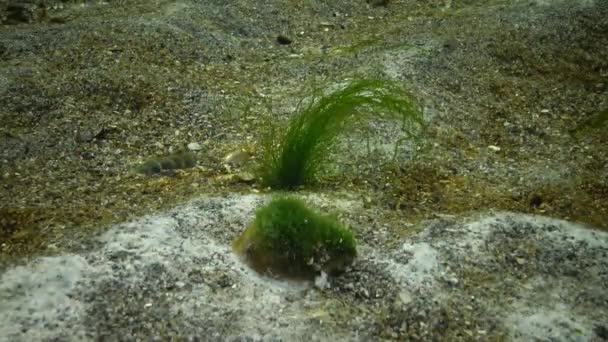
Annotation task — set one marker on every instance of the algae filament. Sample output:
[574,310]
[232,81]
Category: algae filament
[296,156]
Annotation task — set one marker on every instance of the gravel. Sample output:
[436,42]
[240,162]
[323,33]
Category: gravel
[490,228]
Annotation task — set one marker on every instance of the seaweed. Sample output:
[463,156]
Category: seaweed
[295,157]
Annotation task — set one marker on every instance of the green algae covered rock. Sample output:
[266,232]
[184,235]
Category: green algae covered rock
[288,239]
[179,160]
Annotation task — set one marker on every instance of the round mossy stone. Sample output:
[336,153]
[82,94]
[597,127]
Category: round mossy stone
[288,239]
[180,160]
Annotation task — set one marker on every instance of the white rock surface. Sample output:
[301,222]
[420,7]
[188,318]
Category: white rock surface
[178,267]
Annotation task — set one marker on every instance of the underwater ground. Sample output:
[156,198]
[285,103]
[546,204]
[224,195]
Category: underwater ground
[492,227]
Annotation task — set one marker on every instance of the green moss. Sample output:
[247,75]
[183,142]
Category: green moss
[289,239]
[180,160]
[295,157]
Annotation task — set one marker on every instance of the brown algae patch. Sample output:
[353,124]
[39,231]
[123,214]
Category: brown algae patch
[423,189]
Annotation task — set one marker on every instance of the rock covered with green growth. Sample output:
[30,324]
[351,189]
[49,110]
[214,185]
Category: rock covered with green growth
[291,240]
[295,155]
[179,160]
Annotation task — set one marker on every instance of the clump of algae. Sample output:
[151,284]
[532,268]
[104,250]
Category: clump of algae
[290,240]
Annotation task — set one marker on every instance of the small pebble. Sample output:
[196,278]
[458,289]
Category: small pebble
[494,148]
[452,281]
[194,146]
[321,281]
[237,158]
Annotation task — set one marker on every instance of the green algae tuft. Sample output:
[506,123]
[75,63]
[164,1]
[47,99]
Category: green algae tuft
[295,156]
[290,240]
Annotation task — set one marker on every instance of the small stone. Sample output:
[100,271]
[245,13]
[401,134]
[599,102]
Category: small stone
[194,146]
[147,305]
[224,179]
[494,148]
[180,284]
[321,281]
[246,177]
[237,158]
[452,281]
[202,168]
[86,136]
[367,201]
[520,261]
[405,298]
